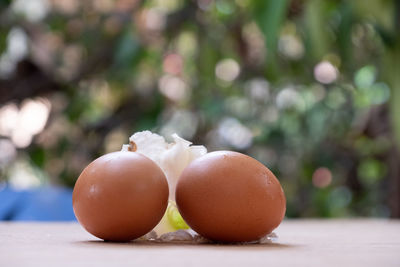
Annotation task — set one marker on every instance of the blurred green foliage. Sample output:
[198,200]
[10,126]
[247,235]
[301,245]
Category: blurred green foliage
[310,88]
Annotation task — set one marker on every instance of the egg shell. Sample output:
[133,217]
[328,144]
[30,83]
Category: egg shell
[230,197]
[120,196]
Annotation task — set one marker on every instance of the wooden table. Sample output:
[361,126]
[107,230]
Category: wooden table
[301,243]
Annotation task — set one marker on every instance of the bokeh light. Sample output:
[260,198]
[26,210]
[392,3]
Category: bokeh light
[325,72]
[22,124]
[173,87]
[232,133]
[17,48]
[33,10]
[227,70]
[173,64]
[322,177]
[291,46]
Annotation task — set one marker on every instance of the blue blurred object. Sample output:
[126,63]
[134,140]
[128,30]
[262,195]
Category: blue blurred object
[49,203]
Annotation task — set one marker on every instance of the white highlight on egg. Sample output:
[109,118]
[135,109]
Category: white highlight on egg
[172,158]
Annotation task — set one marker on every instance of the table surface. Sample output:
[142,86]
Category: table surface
[358,242]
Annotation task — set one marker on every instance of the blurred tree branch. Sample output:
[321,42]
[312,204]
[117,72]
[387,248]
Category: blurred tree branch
[28,81]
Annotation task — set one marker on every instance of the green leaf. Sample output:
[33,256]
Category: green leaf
[269,16]
[365,76]
[344,34]
[370,171]
[5,3]
[381,12]
[175,218]
[128,49]
[391,74]
[316,26]
[38,156]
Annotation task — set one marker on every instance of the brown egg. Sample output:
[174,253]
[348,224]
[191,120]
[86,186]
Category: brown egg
[120,196]
[230,197]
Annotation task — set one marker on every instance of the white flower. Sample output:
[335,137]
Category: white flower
[172,158]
